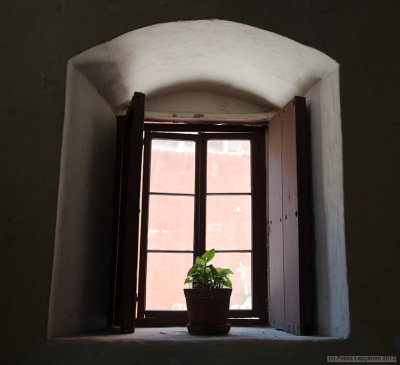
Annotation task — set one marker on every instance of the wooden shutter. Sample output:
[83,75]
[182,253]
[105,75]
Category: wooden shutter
[130,213]
[290,220]
[114,298]
[276,301]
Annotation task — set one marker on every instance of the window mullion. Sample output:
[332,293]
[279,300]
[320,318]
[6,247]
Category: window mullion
[199,221]
[203,191]
[196,229]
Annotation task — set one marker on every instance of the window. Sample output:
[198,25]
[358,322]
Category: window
[289,240]
[201,190]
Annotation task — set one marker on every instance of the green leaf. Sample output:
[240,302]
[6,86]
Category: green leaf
[192,270]
[227,283]
[224,272]
[208,256]
[202,275]
[214,271]
[200,260]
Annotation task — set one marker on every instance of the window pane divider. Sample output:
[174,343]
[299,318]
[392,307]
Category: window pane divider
[169,251]
[202,190]
[173,136]
[172,194]
[229,193]
[233,251]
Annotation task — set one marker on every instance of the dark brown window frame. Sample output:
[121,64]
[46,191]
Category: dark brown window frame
[256,135]
[290,216]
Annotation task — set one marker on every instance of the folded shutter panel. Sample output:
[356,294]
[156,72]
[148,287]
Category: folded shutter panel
[114,286]
[290,237]
[130,212]
[276,289]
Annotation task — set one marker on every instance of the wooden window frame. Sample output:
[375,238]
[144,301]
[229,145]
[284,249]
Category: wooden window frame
[258,315]
[289,241]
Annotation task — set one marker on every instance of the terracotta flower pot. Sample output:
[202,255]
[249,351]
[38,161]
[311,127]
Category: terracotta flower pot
[208,311]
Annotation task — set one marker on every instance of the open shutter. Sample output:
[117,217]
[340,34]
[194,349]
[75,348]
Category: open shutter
[130,213]
[276,303]
[114,298]
[290,220]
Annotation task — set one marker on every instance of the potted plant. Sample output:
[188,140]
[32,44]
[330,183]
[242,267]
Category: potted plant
[208,300]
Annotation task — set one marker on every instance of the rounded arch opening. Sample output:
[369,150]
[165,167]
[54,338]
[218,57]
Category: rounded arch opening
[204,66]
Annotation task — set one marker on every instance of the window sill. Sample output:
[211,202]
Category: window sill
[180,334]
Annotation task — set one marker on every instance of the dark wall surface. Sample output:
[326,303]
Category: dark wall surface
[36,40]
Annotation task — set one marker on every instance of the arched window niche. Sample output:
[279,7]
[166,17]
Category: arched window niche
[201,67]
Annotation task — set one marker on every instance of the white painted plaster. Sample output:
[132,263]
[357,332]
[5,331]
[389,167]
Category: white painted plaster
[198,101]
[202,66]
[81,266]
[231,58]
[327,177]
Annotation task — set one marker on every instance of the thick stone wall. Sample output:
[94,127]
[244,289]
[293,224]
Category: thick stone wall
[37,39]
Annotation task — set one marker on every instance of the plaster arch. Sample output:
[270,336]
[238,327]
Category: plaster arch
[211,66]
[212,55]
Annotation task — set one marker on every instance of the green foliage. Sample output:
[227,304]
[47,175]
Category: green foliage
[202,275]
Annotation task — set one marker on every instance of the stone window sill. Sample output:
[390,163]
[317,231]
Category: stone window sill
[180,334]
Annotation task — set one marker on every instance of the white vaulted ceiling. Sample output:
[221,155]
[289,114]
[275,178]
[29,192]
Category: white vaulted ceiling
[213,56]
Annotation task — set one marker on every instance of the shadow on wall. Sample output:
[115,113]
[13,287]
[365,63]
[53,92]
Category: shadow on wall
[224,91]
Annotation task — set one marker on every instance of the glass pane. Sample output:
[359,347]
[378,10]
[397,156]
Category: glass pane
[166,273]
[228,166]
[172,166]
[228,222]
[171,220]
[240,264]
